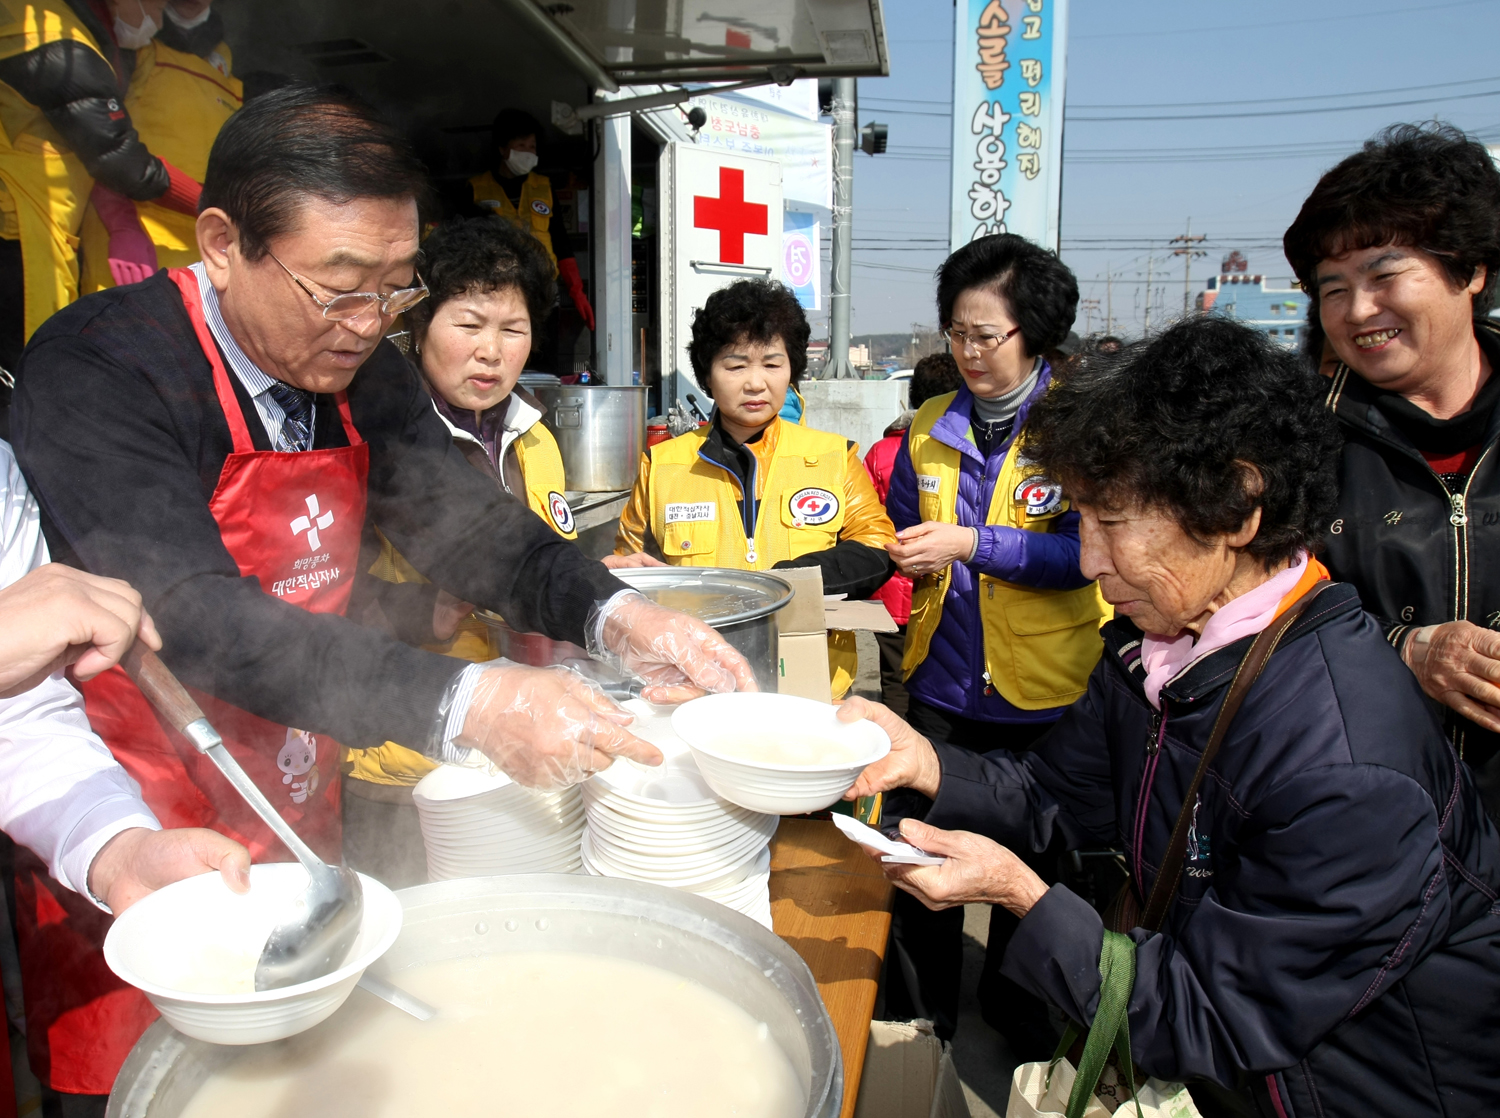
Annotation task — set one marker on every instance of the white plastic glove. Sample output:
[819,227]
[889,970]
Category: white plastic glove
[548,727]
[676,656]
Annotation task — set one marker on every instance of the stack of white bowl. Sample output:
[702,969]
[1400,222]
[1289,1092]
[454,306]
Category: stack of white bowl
[664,825]
[477,822]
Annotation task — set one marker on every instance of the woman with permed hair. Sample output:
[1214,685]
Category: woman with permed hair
[749,490]
[1398,248]
[490,284]
[1311,907]
[1004,629]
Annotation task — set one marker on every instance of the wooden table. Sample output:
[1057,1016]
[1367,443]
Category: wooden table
[833,907]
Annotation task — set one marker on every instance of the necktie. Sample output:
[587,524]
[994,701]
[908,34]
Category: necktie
[296,428]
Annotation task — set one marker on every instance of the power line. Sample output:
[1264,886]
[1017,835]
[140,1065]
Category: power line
[1277,24]
[887,104]
[1286,100]
[904,101]
[910,112]
[1281,112]
[892,267]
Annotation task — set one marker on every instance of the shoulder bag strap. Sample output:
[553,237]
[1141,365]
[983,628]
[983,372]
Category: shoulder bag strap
[1165,888]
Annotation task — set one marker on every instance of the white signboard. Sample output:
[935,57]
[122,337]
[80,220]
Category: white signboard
[1008,71]
[803,147]
[800,98]
[723,216]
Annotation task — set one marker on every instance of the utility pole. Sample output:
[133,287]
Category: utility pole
[1090,308]
[1150,260]
[1109,298]
[837,366]
[1187,249]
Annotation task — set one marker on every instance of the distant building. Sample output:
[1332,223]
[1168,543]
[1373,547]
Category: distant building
[1280,312]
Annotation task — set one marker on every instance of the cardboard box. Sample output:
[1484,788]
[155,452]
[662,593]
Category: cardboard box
[804,613]
[803,652]
[803,667]
[803,624]
[872,615]
[908,1073]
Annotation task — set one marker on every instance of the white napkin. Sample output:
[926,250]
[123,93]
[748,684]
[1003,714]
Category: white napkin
[900,853]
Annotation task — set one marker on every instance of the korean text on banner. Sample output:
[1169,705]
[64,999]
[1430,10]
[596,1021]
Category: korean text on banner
[803,148]
[1009,60]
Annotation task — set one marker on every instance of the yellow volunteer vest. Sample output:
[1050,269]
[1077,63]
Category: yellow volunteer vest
[45,184]
[534,215]
[1039,645]
[542,468]
[177,102]
[696,521]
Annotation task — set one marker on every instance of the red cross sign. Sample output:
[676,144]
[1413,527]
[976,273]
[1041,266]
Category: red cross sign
[731,215]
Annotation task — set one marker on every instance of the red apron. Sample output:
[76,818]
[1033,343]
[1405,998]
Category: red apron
[293,521]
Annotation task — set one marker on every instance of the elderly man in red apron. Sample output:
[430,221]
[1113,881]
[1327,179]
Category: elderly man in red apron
[227,438]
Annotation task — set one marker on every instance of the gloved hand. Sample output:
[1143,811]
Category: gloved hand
[132,256]
[678,657]
[548,727]
[182,192]
[567,271]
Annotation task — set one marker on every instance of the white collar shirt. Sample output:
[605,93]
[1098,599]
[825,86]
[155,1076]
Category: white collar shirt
[256,383]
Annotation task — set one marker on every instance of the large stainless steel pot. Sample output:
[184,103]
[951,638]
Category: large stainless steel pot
[740,605]
[678,932]
[600,430]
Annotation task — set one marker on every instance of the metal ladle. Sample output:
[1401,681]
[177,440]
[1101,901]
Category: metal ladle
[315,938]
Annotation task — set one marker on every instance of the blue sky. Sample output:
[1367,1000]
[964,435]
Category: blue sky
[1131,185]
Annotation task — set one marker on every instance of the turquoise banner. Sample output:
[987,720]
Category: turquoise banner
[1009,66]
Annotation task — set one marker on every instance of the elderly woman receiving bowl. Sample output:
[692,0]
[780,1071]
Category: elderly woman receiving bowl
[1333,946]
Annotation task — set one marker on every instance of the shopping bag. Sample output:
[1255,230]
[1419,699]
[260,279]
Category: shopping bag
[1042,1090]
[1057,1087]
[1156,1098]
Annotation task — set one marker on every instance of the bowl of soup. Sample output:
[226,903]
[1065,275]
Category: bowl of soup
[777,754]
[557,995]
[192,948]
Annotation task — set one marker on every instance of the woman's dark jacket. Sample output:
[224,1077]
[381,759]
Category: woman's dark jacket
[82,97]
[1418,552]
[1335,941]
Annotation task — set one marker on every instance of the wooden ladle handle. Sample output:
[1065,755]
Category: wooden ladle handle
[159,685]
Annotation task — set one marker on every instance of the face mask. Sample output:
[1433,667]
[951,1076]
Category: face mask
[134,38]
[188,24]
[520,162]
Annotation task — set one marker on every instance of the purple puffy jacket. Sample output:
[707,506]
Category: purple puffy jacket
[951,678]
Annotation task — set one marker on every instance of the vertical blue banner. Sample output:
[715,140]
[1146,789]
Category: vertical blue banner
[801,257]
[1009,66]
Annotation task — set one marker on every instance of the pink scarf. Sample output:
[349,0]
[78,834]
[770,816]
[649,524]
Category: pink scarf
[1165,658]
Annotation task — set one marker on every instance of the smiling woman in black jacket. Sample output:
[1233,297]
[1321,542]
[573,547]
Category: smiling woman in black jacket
[1332,943]
[1398,248]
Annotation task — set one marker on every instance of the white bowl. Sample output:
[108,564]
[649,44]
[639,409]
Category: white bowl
[769,786]
[199,925]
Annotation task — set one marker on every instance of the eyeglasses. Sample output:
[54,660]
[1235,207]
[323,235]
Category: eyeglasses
[982,343]
[355,304]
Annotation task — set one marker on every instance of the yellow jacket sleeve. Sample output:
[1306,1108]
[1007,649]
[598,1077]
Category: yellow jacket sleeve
[635,520]
[865,519]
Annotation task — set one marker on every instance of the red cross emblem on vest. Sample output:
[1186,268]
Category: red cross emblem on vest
[731,215]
